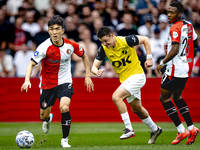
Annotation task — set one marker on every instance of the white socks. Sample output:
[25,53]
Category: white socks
[190,127]
[126,119]
[149,122]
[180,128]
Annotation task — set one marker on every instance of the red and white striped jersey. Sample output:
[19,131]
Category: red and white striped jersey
[56,62]
[181,32]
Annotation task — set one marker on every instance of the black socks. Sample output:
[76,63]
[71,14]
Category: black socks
[66,123]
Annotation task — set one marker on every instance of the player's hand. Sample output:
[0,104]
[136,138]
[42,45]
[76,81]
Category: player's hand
[100,72]
[25,86]
[148,63]
[89,84]
[159,67]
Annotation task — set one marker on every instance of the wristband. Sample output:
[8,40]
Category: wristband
[161,63]
[149,56]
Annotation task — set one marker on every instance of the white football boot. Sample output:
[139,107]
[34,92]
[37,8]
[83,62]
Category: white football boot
[127,134]
[64,142]
[46,125]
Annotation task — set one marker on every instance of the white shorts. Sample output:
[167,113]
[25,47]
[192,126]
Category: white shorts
[133,84]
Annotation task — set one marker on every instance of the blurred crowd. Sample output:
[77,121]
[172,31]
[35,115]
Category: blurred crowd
[23,26]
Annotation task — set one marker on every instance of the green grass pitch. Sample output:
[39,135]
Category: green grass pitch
[94,136]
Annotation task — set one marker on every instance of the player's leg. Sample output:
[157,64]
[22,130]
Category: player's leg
[118,96]
[64,96]
[46,117]
[47,99]
[184,111]
[143,114]
[65,121]
[168,85]
[173,115]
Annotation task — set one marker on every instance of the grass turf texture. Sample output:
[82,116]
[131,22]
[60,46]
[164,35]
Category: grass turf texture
[94,136]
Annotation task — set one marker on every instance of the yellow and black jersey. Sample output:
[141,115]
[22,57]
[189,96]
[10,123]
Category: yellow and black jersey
[123,56]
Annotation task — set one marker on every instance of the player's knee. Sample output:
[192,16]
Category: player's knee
[162,100]
[43,117]
[176,98]
[64,109]
[115,99]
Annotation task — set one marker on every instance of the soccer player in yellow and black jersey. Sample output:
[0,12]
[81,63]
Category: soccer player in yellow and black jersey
[123,57]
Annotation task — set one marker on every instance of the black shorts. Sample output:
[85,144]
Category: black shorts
[172,83]
[48,97]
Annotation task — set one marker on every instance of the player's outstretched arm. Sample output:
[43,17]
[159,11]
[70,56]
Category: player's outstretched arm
[95,68]
[88,82]
[145,40]
[27,82]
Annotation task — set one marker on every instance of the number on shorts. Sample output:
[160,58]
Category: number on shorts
[163,78]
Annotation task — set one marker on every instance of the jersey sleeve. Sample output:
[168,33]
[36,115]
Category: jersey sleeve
[39,54]
[78,49]
[175,34]
[101,53]
[132,40]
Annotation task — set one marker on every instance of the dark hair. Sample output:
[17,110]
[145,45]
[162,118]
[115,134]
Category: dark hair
[104,31]
[56,20]
[178,5]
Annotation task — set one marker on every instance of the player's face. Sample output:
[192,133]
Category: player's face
[107,41]
[55,32]
[173,14]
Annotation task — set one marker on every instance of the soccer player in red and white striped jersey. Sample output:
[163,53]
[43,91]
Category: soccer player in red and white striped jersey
[55,78]
[179,62]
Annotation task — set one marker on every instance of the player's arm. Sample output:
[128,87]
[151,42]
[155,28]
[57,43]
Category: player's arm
[27,82]
[88,82]
[95,68]
[145,41]
[97,62]
[172,53]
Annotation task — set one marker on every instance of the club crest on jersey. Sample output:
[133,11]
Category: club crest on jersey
[36,53]
[68,51]
[124,52]
[175,34]
[44,104]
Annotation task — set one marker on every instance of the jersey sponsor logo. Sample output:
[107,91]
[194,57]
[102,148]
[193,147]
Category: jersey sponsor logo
[68,51]
[57,61]
[175,34]
[36,53]
[121,62]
